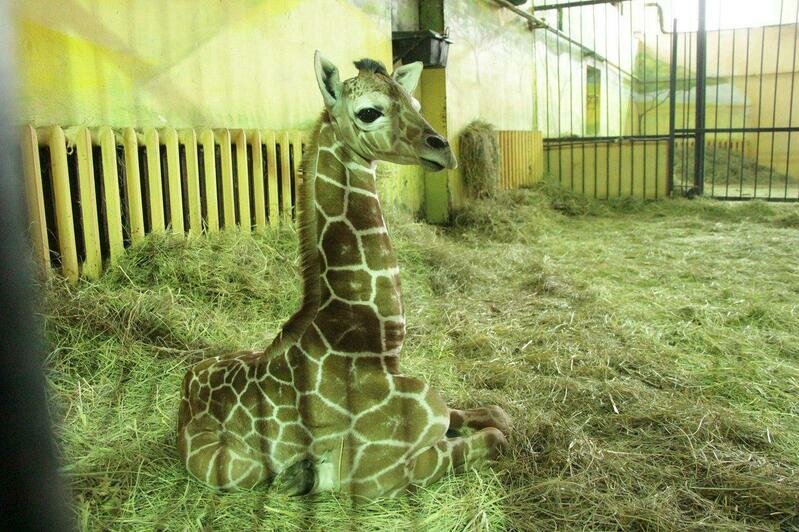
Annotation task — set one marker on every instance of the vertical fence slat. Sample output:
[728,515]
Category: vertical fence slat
[67,247]
[226,156]
[270,142]
[155,195]
[243,180]
[188,138]
[34,195]
[285,174]
[92,263]
[502,160]
[173,178]
[516,158]
[209,188]
[523,155]
[508,154]
[113,209]
[259,201]
[133,185]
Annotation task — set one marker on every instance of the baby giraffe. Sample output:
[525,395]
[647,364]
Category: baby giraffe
[325,406]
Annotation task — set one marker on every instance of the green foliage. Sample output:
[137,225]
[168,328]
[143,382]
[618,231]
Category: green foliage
[647,352]
[479,158]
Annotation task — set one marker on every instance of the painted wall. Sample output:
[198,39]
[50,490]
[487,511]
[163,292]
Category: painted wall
[193,63]
[490,73]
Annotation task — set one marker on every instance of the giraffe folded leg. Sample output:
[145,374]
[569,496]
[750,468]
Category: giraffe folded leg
[480,418]
[455,455]
[222,460]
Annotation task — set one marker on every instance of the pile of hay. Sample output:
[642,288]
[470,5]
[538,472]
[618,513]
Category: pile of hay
[479,158]
[648,354]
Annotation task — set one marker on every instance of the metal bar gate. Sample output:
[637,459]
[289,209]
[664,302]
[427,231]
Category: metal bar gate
[648,98]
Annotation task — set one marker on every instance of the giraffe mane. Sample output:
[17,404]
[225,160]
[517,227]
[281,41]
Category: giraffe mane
[371,65]
[309,261]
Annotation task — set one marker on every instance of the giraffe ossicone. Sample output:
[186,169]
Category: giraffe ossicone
[325,406]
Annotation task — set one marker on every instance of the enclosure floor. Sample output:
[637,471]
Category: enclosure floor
[648,354]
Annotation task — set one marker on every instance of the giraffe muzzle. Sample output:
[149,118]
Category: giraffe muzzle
[436,154]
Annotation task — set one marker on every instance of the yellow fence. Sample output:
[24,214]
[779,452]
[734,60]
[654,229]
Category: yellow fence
[93,192]
[521,158]
[611,169]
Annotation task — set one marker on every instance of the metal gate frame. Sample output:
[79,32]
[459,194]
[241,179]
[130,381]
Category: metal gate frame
[688,137]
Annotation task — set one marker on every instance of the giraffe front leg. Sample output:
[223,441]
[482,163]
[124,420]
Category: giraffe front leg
[456,455]
[220,458]
[479,418]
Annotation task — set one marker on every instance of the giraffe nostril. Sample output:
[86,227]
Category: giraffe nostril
[436,142]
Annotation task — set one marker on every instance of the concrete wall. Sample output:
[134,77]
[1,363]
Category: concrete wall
[490,73]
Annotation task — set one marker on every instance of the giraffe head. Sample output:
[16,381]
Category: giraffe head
[377,117]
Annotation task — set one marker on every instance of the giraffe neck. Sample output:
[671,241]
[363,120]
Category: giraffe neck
[293,329]
[360,310]
[350,279]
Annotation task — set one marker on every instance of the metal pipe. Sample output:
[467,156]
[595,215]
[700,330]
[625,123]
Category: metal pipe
[537,23]
[793,129]
[578,3]
[701,79]
[672,107]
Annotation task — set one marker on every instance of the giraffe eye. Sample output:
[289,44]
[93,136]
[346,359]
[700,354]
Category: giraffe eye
[368,114]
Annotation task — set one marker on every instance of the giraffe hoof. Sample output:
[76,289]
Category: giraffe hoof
[499,419]
[497,442]
[298,479]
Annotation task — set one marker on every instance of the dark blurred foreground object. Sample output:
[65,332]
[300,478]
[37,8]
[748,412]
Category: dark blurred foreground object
[31,491]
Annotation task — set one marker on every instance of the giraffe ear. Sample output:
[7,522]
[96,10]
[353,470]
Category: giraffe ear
[327,78]
[408,76]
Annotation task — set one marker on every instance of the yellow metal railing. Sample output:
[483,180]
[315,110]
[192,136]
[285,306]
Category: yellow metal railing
[521,158]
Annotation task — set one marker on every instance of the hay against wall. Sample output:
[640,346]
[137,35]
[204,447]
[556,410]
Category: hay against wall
[479,158]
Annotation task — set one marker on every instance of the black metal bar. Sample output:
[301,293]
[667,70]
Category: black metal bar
[751,198]
[672,106]
[641,138]
[546,81]
[687,53]
[732,95]
[657,113]
[790,110]
[643,75]
[716,114]
[760,104]
[792,129]
[632,107]
[571,103]
[701,79]
[560,114]
[621,113]
[607,110]
[776,90]
[583,96]
[746,104]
